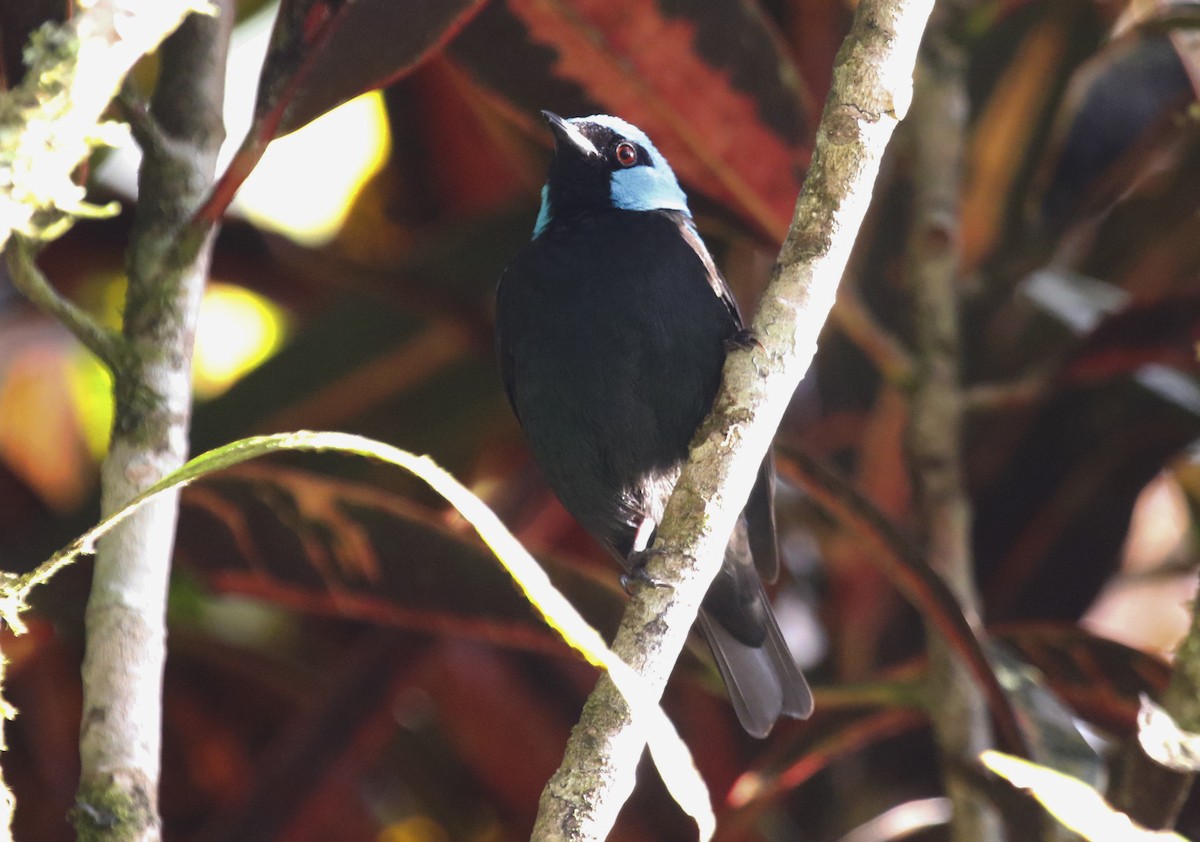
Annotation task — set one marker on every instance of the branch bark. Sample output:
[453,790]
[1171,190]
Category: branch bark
[959,711]
[120,739]
[871,91]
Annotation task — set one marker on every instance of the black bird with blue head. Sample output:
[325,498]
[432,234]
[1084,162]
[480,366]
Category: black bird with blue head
[611,329]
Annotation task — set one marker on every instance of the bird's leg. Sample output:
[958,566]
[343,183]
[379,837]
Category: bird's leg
[640,556]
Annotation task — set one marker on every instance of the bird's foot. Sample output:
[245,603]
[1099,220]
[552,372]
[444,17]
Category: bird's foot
[636,563]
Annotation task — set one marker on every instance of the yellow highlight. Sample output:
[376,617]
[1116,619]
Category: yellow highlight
[238,329]
[306,182]
[91,395]
[1074,803]
[414,829]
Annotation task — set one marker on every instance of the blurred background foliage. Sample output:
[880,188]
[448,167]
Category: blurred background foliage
[347,662]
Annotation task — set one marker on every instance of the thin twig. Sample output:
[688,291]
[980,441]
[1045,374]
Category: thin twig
[882,346]
[870,92]
[106,344]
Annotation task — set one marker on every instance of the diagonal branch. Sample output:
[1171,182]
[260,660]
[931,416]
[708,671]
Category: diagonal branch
[106,344]
[871,90]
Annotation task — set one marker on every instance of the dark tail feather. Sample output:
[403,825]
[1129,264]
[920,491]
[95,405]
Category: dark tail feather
[763,682]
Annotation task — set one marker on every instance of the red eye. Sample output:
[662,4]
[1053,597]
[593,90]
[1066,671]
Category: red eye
[626,154]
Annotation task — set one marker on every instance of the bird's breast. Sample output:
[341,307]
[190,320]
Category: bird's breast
[615,342]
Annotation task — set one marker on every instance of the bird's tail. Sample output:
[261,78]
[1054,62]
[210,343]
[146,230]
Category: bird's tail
[763,681]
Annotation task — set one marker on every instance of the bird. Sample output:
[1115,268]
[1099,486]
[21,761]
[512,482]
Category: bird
[612,326]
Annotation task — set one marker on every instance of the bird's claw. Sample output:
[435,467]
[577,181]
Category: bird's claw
[743,340]
[636,563]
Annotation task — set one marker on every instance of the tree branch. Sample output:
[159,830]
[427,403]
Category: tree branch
[959,711]
[870,92]
[881,346]
[120,739]
[49,124]
[106,344]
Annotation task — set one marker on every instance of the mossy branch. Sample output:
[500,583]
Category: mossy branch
[52,120]
[49,125]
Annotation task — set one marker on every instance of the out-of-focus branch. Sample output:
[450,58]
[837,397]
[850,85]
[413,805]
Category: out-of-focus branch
[871,91]
[883,348]
[120,736]
[958,710]
[106,344]
[1157,768]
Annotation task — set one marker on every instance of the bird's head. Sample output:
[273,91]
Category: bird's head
[602,162]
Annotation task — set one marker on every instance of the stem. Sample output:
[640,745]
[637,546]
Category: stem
[120,736]
[959,712]
[870,92]
[106,344]
[882,347]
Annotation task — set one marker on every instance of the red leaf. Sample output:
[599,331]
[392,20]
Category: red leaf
[710,83]
[366,44]
[332,547]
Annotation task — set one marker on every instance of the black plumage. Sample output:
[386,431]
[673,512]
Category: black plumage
[611,332]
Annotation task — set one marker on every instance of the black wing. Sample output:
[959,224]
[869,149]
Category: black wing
[503,352]
[760,508]
[715,280]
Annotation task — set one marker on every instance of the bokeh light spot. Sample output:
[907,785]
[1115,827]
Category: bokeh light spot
[306,182]
[238,329]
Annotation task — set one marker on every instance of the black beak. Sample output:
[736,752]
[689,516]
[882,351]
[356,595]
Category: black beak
[566,136]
